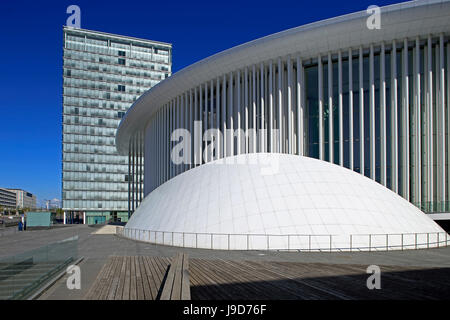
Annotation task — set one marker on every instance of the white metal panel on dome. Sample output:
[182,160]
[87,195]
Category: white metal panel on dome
[399,21]
[264,194]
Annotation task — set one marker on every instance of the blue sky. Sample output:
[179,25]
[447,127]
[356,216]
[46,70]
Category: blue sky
[31,61]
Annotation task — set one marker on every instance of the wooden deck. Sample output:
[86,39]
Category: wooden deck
[129,278]
[141,278]
[243,280]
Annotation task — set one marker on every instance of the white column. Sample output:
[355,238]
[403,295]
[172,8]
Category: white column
[361,113]
[170,137]
[350,105]
[254,126]
[65,218]
[184,118]
[426,123]
[178,125]
[394,131]
[165,149]
[448,118]
[238,111]
[442,174]
[280,106]
[320,90]
[188,120]
[405,100]
[438,117]
[382,116]
[211,115]
[205,122]
[430,117]
[201,118]
[246,88]
[195,139]
[271,137]
[418,154]
[262,135]
[231,113]
[300,112]
[191,128]
[224,116]
[341,111]
[158,171]
[330,110]
[289,104]
[219,141]
[372,113]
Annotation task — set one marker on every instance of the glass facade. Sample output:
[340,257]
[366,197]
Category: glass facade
[103,74]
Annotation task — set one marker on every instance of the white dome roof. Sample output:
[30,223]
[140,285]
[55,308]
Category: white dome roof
[279,194]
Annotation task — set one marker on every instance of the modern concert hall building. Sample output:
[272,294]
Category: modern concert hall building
[333,135]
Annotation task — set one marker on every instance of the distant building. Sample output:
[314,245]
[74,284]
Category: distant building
[24,199]
[53,204]
[104,74]
[7,199]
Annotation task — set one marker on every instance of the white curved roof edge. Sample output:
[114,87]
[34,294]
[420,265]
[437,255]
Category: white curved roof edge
[398,21]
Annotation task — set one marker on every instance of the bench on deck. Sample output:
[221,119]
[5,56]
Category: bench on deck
[177,286]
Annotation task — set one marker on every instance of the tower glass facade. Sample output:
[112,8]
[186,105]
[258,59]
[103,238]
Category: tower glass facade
[103,74]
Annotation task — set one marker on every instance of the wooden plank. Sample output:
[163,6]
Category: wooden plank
[238,282]
[122,280]
[96,287]
[196,290]
[211,288]
[168,284]
[185,285]
[126,288]
[115,281]
[178,277]
[139,280]
[152,276]
[107,279]
[145,279]
[133,284]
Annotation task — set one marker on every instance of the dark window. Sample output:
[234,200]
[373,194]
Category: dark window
[122,53]
[122,61]
[121,88]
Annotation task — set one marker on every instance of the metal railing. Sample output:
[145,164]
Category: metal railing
[290,242]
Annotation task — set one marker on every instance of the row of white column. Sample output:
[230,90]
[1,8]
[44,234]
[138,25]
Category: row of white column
[263,97]
[271,95]
[419,168]
[136,171]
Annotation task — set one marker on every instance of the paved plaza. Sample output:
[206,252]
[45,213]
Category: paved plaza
[97,246]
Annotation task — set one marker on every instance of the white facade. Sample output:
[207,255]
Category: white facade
[386,91]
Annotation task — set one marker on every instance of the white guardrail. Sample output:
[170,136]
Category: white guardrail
[289,242]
